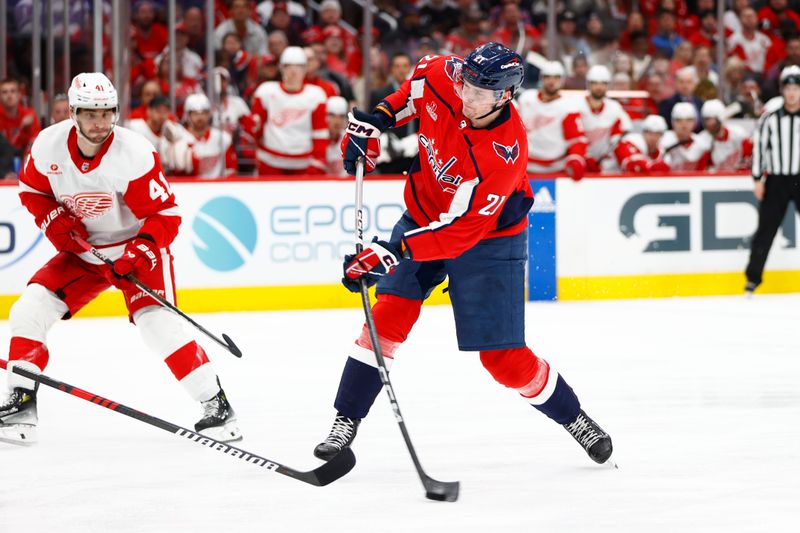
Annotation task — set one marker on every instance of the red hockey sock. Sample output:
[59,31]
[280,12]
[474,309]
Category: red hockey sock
[23,349]
[394,318]
[517,368]
[186,359]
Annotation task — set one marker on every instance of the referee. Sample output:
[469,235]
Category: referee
[776,154]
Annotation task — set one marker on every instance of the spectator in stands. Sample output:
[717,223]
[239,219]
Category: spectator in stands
[701,64]
[313,74]
[280,20]
[194,26]
[706,35]
[191,63]
[654,86]
[291,131]
[568,43]
[150,90]
[252,36]
[233,115]
[324,72]
[212,151]
[408,33]
[773,12]
[426,46]
[330,14]
[184,85]
[602,47]
[556,139]
[734,72]
[683,150]
[685,84]
[18,124]
[621,62]
[336,108]
[242,66]
[277,41]
[577,82]
[640,55]
[468,35]
[438,17]
[634,25]
[791,57]
[730,147]
[682,56]
[336,51]
[399,69]
[264,10]
[149,37]
[620,81]
[750,45]
[7,157]
[730,20]
[60,109]
[705,91]
[167,136]
[666,37]
[749,99]
[513,32]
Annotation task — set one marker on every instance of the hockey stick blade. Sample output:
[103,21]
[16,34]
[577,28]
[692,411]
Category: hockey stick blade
[232,346]
[441,491]
[338,466]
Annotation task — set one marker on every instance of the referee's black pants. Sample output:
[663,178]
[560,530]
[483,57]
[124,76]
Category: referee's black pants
[778,191]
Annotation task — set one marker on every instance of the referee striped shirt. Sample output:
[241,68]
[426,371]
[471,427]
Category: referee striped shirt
[776,144]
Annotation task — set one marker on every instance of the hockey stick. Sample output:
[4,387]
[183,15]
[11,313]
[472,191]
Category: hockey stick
[434,490]
[226,342]
[338,466]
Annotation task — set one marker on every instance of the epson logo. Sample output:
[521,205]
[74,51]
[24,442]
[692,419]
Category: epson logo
[360,130]
[233,452]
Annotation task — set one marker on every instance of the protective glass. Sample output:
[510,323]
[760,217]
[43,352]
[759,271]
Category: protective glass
[476,95]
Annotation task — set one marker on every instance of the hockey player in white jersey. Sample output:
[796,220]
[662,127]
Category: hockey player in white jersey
[163,131]
[683,149]
[291,130]
[730,146]
[556,137]
[604,121]
[640,152]
[212,150]
[87,178]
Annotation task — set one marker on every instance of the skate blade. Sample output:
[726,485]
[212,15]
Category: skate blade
[611,463]
[19,434]
[229,432]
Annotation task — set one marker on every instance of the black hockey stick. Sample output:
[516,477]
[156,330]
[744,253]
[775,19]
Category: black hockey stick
[434,490]
[338,466]
[226,342]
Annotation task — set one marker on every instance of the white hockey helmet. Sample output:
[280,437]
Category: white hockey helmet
[92,90]
[713,109]
[553,68]
[599,74]
[790,74]
[684,110]
[196,102]
[336,105]
[654,124]
[293,55]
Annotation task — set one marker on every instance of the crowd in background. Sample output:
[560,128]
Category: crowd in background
[665,50]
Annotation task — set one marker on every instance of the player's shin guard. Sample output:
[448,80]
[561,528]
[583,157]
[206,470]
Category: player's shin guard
[532,377]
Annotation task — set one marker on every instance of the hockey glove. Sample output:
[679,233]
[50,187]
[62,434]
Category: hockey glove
[140,255]
[59,225]
[575,169]
[658,165]
[378,259]
[362,139]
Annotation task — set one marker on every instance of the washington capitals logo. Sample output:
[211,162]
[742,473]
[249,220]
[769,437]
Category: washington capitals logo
[509,154]
[452,67]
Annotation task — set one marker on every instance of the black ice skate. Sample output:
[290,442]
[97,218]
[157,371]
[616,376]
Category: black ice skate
[219,420]
[594,440]
[341,436]
[749,288]
[19,417]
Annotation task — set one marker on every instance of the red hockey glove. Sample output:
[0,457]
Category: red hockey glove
[576,169]
[592,165]
[140,255]
[377,259]
[59,225]
[362,139]
[657,166]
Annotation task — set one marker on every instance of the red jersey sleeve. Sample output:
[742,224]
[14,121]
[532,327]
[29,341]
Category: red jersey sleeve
[401,105]
[575,136]
[319,134]
[231,163]
[150,198]
[258,117]
[35,191]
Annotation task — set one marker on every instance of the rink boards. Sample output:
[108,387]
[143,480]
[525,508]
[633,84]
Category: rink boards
[272,244]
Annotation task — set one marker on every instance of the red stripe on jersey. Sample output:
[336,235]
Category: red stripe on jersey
[149,195]
[186,359]
[34,179]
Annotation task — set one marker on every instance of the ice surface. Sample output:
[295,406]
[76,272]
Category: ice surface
[701,397]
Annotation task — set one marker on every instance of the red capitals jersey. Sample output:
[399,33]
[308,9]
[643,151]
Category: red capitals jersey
[118,194]
[19,135]
[467,184]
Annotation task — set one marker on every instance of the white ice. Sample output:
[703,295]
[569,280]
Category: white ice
[701,397]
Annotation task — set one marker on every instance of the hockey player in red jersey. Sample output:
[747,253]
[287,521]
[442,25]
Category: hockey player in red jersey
[467,198]
[556,136]
[87,178]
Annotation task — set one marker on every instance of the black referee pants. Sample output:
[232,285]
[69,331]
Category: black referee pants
[779,190]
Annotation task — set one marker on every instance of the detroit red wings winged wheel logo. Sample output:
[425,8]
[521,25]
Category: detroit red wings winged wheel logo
[88,204]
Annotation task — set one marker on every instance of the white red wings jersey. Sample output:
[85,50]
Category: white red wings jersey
[752,51]
[231,111]
[604,127]
[119,193]
[730,150]
[555,131]
[175,154]
[686,156]
[293,127]
[466,184]
[213,155]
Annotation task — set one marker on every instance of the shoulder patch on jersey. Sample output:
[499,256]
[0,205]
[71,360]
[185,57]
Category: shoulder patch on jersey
[509,154]
[88,205]
[452,67]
